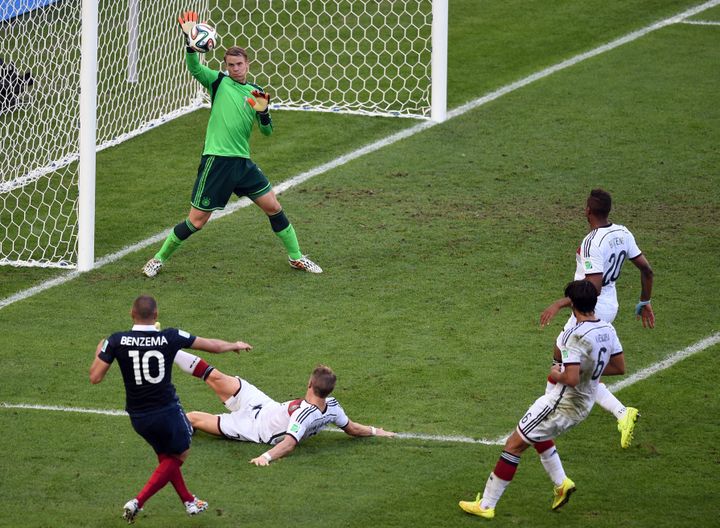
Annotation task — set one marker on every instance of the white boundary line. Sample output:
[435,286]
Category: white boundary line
[666,363]
[701,22]
[372,147]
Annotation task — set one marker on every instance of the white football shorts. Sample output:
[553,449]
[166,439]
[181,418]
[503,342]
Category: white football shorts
[545,421]
[250,420]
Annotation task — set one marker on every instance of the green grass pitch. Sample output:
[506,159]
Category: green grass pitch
[440,252]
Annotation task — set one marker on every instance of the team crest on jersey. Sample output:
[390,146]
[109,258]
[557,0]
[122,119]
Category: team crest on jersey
[205,201]
[565,354]
[295,428]
[588,265]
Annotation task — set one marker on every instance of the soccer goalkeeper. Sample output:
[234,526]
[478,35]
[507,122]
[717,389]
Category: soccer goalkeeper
[225,167]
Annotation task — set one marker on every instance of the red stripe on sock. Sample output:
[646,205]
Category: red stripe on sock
[541,447]
[504,470]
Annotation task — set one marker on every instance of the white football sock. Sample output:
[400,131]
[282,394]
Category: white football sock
[494,488]
[553,465]
[605,399]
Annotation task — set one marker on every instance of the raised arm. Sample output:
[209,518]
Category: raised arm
[203,74]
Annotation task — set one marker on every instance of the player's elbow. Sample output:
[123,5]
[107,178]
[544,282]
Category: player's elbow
[352,429]
[95,378]
[648,272]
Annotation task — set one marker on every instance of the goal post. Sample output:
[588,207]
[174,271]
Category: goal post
[368,57]
[87,144]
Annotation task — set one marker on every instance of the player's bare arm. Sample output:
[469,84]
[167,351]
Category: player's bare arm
[99,368]
[284,448]
[644,310]
[218,346]
[596,279]
[552,310]
[357,429]
[616,366]
[566,374]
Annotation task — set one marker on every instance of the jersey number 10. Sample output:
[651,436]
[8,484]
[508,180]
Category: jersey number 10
[141,367]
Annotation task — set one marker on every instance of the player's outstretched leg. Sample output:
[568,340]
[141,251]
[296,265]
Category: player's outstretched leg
[174,240]
[284,230]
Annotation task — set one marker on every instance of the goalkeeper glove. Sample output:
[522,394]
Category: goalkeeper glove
[187,21]
[260,103]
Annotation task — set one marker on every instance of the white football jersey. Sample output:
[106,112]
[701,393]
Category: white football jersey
[255,417]
[605,250]
[589,344]
[308,420]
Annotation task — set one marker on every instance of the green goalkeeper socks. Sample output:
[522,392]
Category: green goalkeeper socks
[171,244]
[290,241]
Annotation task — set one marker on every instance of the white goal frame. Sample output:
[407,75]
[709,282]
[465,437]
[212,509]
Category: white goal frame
[88,132]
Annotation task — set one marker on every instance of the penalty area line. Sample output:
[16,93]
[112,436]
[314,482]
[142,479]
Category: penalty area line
[643,374]
[377,145]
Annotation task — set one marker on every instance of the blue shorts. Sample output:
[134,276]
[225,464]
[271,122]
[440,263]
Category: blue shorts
[167,430]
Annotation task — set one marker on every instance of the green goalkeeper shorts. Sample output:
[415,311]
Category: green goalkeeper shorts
[219,177]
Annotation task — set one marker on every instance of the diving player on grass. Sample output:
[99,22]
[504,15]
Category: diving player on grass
[225,167]
[255,417]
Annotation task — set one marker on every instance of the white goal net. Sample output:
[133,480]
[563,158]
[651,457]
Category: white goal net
[362,56]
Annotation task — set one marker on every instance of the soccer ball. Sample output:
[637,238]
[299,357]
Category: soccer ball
[203,37]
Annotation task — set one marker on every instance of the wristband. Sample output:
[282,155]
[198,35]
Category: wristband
[267,456]
[373,431]
[639,306]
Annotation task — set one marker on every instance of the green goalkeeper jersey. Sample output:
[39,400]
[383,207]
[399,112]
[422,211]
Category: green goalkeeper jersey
[231,117]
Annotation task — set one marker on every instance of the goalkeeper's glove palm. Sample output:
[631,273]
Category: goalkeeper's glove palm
[260,102]
[187,21]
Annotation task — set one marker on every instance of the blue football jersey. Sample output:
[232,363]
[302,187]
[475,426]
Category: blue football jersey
[145,356]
